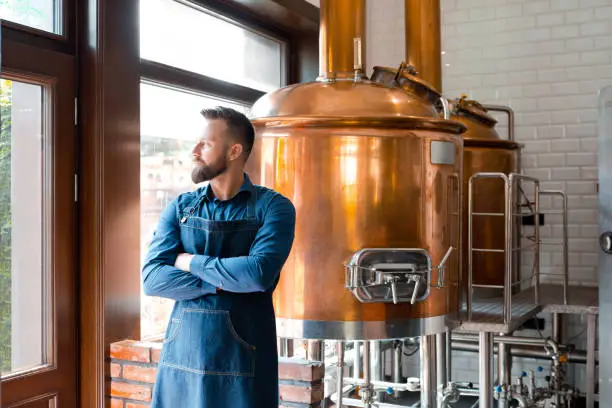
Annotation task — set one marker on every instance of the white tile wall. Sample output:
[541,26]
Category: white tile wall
[550,59]
[546,59]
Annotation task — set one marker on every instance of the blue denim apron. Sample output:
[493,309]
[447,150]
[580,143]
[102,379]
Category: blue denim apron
[219,350]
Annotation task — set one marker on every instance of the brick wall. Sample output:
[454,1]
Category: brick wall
[134,366]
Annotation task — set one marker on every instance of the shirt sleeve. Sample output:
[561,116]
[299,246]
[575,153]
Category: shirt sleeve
[160,277]
[260,270]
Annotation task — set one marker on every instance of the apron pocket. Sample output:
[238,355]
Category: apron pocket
[173,330]
[204,341]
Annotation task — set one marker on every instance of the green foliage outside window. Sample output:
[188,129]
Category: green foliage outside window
[5,225]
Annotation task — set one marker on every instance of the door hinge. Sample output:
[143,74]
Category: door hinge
[76,111]
[76,187]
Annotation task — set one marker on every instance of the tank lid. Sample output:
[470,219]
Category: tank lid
[406,78]
[473,110]
[341,98]
[348,103]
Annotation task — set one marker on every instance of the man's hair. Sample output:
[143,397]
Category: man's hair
[238,125]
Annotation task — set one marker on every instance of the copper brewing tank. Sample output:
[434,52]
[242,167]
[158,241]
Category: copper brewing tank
[366,166]
[484,151]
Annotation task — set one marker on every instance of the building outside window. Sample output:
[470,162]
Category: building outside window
[195,60]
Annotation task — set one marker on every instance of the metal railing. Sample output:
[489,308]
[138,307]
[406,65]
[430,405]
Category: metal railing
[513,194]
[564,240]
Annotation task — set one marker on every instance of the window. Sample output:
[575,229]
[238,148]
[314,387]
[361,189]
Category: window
[169,131]
[23,336]
[190,38]
[40,14]
[220,62]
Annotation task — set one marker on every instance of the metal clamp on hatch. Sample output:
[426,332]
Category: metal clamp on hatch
[385,275]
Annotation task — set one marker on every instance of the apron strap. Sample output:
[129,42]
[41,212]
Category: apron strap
[252,205]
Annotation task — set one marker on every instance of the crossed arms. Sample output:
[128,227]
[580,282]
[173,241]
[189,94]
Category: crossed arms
[170,273]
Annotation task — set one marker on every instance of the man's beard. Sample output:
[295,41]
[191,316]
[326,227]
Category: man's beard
[205,172]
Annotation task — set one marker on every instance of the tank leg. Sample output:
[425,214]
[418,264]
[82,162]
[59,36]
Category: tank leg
[485,362]
[397,367]
[377,364]
[340,364]
[429,368]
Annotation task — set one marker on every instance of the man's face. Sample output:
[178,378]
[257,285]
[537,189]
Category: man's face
[210,155]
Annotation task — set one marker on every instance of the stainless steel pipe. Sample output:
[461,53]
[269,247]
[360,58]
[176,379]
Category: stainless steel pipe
[315,351]
[429,383]
[485,362]
[441,367]
[576,357]
[340,363]
[397,367]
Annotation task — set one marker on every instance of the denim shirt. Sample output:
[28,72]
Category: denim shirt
[257,272]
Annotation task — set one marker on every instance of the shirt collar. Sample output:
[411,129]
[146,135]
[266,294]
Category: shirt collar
[247,186]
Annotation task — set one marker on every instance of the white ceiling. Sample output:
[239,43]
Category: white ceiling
[315,2]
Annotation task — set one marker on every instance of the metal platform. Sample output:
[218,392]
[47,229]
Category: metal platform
[581,299]
[487,315]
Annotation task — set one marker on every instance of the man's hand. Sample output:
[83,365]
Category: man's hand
[183,261]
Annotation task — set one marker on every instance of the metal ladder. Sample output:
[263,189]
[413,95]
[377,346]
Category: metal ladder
[513,192]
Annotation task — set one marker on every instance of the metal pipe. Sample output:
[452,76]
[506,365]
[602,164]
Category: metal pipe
[354,402]
[441,368]
[397,367]
[565,251]
[557,322]
[575,357]
[449,357]
[508,110]
[504,360]
[357,360]
[508,211]
[340,364]
[513,340]
[384,385]
[315,350]
[470,281]
[423,39]
[520,399]
[285,347]
[376,363]
[537,240]
[428,372]
[342,22]
[591,339]
[485,361]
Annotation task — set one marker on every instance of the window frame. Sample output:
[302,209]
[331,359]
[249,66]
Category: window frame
[159,74]
[45,65]
[64,42]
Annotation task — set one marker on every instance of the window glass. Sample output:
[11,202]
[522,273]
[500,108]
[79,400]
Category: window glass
[40,14]
[22,228]
[191,39]
[170,125]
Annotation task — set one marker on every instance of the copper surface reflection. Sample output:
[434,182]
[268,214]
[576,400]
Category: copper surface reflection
[360,188]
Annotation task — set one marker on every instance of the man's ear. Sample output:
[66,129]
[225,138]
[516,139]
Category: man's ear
[235,151]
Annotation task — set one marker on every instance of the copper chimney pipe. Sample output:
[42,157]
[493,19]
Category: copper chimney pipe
[423,39]
[341,39]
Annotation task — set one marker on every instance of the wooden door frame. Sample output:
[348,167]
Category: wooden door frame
[55,72]
[109,120]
